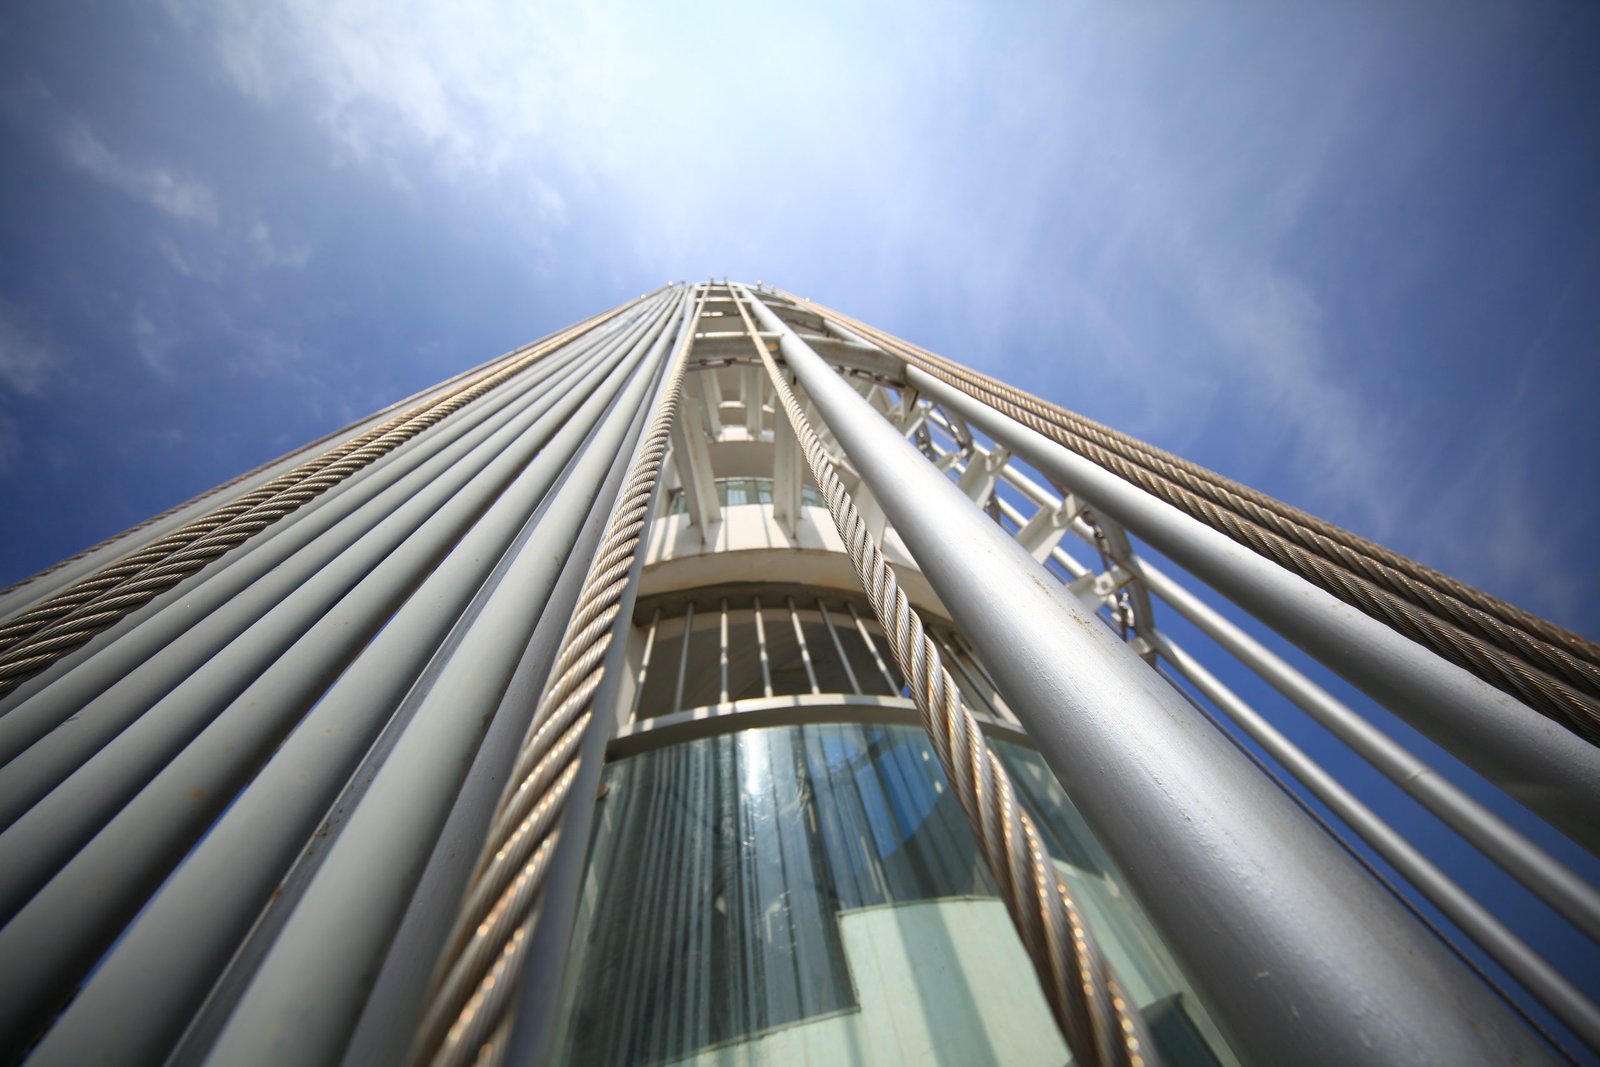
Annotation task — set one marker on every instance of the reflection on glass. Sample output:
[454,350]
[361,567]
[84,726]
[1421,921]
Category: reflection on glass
[814,892]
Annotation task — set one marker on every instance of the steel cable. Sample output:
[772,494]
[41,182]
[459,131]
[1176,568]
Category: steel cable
[33,640]
[1240,496]
[247,475]
[1098,1023]
[1561,652]
[467,1018]
[1507,663]
[1552,670]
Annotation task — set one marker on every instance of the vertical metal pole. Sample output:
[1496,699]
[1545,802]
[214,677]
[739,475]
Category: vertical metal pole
[303,998]
[644,661]
[113,685]
[538,997]
[838,646]
[723,651]
[872,646]
[1240,883]
[1551,770]
[1573,897]
[805,652]
[683,658]
[1547,984]
[761,643]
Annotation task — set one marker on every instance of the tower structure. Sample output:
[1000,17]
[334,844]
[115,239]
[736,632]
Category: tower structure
[724,680]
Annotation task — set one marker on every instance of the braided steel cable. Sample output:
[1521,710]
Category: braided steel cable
[468,1016]
[1272,512]
[1399,573]
[1552,670]
[1561,652]
[37,638]
[252,472]
[136,527]
[1499,654]
[1098,1022]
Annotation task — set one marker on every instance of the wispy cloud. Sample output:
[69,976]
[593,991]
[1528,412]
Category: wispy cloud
[1488,521]
[156,346]
[664,111]
[274,251]
[472,89]
[177,194]
[1133,185]
[26,364]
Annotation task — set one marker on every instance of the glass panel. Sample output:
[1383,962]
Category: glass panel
[813,894]
[709,921]
[893,830]
[736,490]
[1180,1028]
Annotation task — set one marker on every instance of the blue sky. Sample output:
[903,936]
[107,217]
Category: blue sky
[1347,253]
[1350,255]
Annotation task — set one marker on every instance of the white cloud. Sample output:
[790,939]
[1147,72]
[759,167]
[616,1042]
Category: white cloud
[1487,525]
[25,363]
[179,195]
[1176,186]
[469,85]
[1132,185]
[663,110]
[263,353]
[155,345]
[274,251]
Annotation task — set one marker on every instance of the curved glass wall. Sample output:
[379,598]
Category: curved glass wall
[813,894]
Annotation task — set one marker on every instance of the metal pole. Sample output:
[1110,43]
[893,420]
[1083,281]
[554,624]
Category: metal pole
[29,591]
[534,1021]
[1288,942]
[644,662]
[838,647]
[1571,896]
[119,683]
[303,999]
[805,652]
[761,647]
[722,655]
[683,658]
[1546,983]
[872,646]
[388,1018]
[225,882]
[1551,770]
[341,602]
[526,1013]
